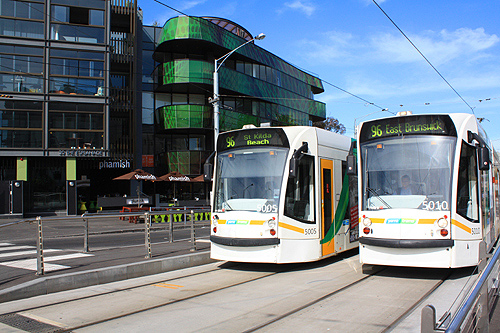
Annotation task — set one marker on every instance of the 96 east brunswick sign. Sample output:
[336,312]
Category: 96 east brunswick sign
[410,125]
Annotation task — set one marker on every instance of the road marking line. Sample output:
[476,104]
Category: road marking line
[25,253]
[31,264]
[203,241]
[20,247]
[168,285]
[68,256]
[6,244]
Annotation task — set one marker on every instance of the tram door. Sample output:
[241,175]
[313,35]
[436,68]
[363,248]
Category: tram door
[327,205]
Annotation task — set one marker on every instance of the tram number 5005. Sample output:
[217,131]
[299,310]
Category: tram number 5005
[435,205]
[267,208]
[310,231]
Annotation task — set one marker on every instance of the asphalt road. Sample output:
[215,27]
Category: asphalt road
[111,242]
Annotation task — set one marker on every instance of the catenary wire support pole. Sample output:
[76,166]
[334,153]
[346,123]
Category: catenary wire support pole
[40,267]
[193,237]
[147,234]
[85,233]
[216,99]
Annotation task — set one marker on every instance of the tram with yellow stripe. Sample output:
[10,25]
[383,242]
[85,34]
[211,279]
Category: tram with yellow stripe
[428,190]
[282,195]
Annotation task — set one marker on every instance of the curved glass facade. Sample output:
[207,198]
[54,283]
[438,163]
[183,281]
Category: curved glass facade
[255,86]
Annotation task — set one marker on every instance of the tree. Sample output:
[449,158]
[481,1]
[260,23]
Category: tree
[331,124]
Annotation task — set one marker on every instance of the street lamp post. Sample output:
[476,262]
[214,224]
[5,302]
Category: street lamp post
[217,64]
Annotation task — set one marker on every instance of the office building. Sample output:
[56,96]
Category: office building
[89,94]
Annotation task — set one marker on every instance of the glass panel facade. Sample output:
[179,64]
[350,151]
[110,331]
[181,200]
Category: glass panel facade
[100,4]
[21,9]
[71,34]
[76,125]
[21,83]
[176,116]
[20,139]
[21,119]
[20,28]
[74,86]
[76,67]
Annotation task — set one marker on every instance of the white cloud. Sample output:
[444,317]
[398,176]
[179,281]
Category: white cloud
[190,4]
[335,45]
[370,2]
[307,8]
[439,47]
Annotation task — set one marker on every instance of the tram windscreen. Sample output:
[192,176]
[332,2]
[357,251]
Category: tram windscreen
[407,172]
[249,179]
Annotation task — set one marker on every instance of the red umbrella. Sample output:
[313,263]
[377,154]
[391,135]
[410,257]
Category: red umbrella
[175,176]
[138,174]
[199,179]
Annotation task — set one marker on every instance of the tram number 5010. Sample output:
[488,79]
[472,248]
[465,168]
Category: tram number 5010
[435,205]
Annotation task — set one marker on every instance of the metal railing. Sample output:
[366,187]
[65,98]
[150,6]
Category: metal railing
[473,315]
[189,218]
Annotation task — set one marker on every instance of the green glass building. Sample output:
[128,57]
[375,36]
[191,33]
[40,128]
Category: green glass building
[255,87]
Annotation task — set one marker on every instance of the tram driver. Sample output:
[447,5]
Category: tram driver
[406,188]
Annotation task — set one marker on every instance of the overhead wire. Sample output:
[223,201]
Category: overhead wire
[423,56]
[182,13]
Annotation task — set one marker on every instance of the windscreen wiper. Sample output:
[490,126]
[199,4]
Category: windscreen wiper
[378,197]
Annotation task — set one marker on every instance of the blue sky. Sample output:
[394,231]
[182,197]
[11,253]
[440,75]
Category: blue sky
[353,45]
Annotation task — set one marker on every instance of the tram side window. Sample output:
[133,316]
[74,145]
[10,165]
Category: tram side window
[299,200]
[467,191]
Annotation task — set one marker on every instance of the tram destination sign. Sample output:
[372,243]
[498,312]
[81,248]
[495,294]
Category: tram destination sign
[408,125]
[255,137]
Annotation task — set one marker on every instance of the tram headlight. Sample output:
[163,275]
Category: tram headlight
[272,223]
[442,223]
[367,222]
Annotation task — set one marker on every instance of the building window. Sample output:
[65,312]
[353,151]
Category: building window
[76,86]
[21,83]
[75,67]
[81,34]
[77,15]
[76,125]
[100,4]
[19,28]
[22,9]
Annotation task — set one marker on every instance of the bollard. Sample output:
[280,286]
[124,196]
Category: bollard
[171,226]
[428,319]
[40,267]
[86,233]
[147,234]
[193,238]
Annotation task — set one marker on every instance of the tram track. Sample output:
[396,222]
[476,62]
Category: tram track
[354,283]
[286,302]
[227,265]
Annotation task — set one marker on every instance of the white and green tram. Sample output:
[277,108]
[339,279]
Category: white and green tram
[428,190]
[281,195]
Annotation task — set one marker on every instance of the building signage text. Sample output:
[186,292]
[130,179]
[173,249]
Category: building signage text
[83,153]
[121,164]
